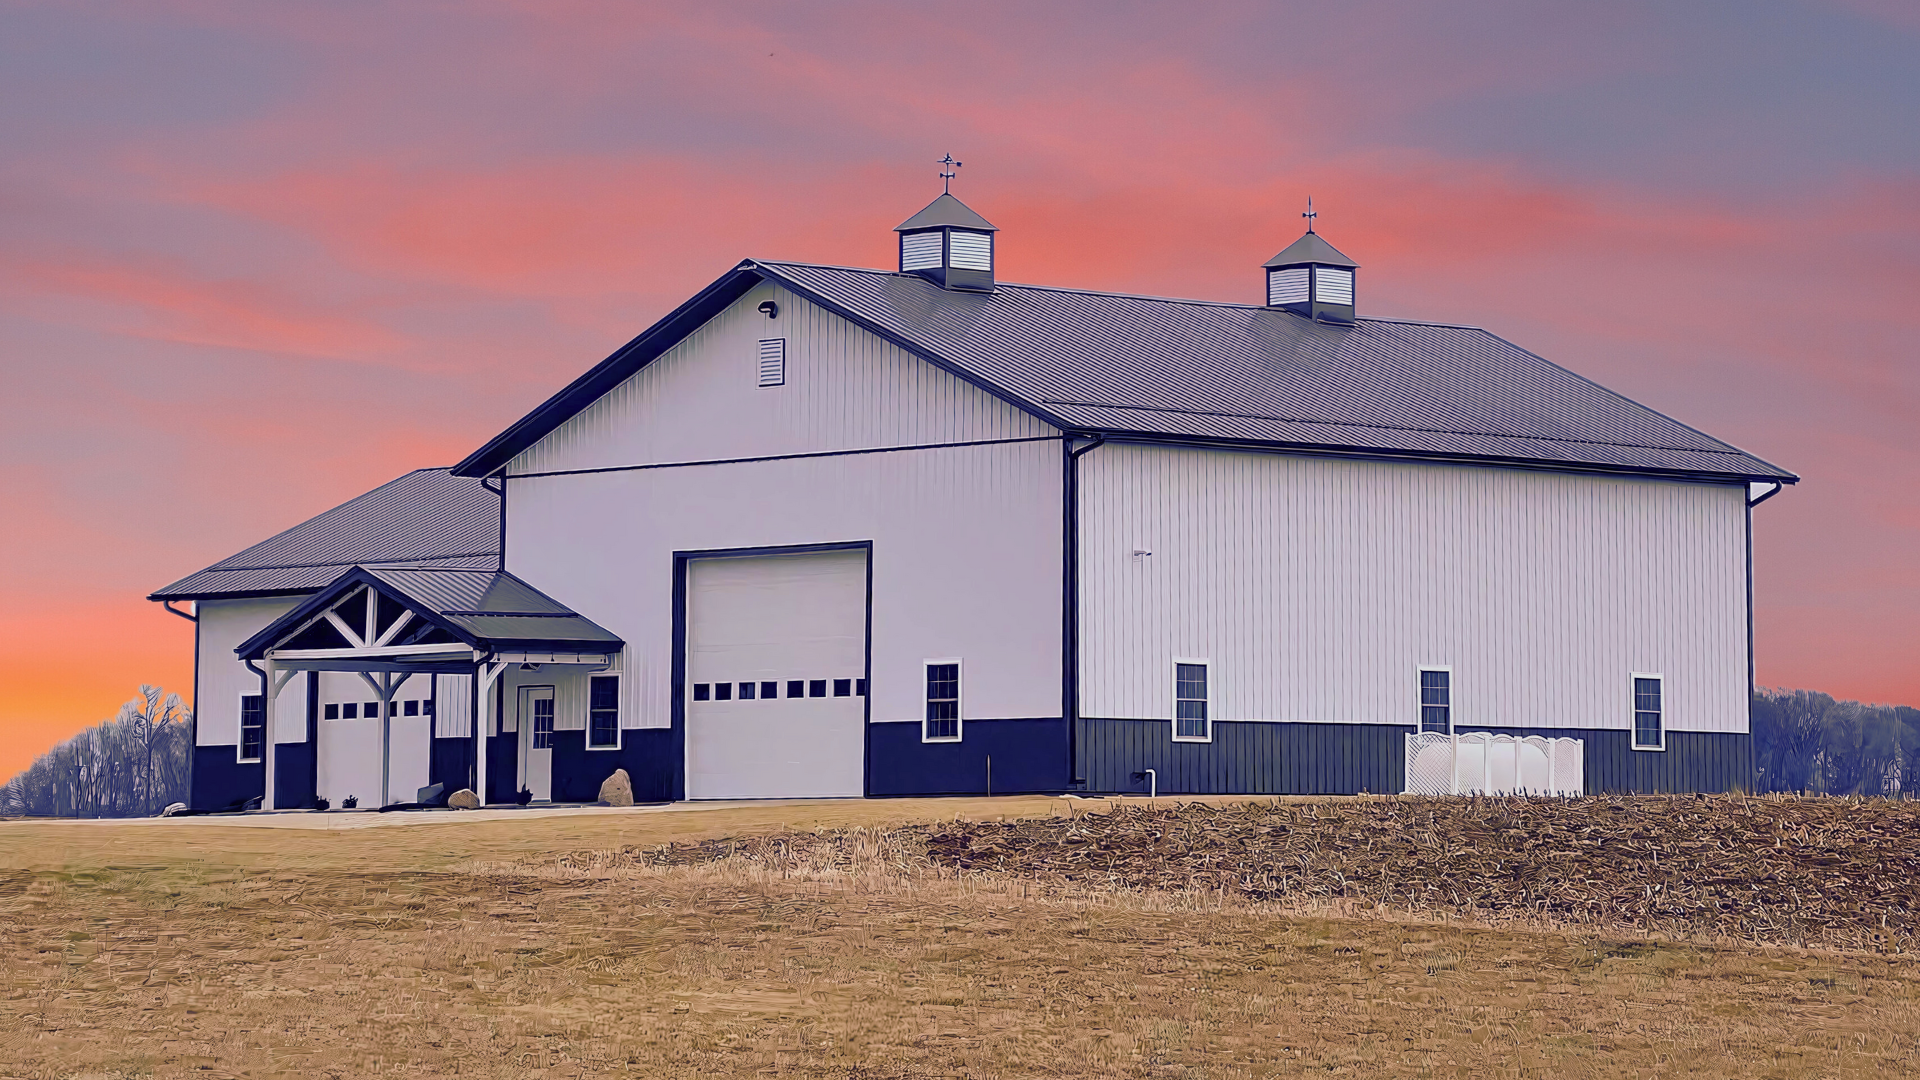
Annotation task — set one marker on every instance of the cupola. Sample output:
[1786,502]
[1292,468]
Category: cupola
[949,245]
[1312,278]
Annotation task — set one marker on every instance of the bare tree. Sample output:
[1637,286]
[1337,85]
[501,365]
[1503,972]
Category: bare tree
[134,764]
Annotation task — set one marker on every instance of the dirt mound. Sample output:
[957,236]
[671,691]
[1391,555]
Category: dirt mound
[1836,872]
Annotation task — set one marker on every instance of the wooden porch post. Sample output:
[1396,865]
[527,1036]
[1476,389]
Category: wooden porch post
[268,693]
[484,676]
[479,739]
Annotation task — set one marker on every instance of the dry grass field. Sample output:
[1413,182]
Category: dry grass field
[911,939]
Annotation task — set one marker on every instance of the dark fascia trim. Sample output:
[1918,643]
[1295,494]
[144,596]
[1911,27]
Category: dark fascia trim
[573,645]
[668,332]
[778,549]
[1356,453]
[609,373]
[1223,415]
[255,647]
[243,594]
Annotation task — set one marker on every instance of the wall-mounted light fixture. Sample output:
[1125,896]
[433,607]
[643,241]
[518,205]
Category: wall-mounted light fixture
[770,309]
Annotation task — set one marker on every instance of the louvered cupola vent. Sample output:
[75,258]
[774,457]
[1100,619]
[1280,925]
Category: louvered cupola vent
[948,244]
[1312,278]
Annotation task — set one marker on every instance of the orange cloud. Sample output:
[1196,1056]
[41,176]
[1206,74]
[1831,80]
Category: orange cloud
[172,302]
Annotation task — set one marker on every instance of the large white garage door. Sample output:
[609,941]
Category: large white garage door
[776,665]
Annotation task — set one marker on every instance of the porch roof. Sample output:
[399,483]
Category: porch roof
[454,618]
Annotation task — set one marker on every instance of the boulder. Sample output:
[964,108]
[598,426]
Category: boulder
[617,790]
[429,795]
[464,799]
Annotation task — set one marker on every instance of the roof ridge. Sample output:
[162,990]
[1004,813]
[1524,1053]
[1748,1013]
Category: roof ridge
[1196,302]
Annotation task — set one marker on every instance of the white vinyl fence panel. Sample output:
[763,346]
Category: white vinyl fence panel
[1481,763]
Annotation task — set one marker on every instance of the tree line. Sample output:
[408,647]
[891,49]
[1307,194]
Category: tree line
[133,765]
[1804,740]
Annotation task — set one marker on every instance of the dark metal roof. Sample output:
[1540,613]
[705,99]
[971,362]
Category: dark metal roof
[1194,371]
[485,609]
[946,210]
[1310,248]
[428,517]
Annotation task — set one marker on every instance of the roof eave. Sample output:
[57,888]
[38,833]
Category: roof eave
[1366,453]
[163,596]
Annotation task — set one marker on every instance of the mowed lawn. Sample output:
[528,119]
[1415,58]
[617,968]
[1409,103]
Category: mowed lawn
[507,948]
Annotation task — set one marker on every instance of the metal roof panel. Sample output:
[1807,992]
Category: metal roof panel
[426,516]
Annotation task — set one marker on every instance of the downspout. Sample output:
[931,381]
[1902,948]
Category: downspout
[1752,774]
[1070,600]
[502,492]
[193,721]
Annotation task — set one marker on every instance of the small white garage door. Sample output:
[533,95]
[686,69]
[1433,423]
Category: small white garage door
[776,666]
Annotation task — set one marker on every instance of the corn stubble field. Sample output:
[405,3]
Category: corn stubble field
[982,938]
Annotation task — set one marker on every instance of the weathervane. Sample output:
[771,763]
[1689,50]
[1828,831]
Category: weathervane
[1309,215]
[947,165]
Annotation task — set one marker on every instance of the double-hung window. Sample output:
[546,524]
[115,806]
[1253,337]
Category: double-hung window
[1436,700]
[603,712]
[1649,713]
[1192,719]
[943,702]
[253,727]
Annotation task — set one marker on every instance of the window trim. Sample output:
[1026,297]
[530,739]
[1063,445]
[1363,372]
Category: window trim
[1420,706]
[1174,724]
[959,701]
[619,700]
[1633,708]
[240,734]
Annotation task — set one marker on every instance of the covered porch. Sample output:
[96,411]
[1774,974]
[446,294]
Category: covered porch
[422,652]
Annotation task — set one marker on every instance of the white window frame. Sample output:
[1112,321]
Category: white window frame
[1420,705]
[620,704]
[959,703]
[1633,707]
[1211,697]
[240,729]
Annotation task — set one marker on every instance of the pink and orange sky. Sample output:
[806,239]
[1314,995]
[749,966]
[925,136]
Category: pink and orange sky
[256,259]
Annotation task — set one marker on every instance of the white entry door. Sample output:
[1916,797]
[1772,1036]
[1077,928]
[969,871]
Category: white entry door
[536,741]
[776,676]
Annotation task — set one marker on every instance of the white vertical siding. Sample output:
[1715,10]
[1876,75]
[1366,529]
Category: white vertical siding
[453,707]
[1319,586]
[966,559]
[845,389]
[224,624]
